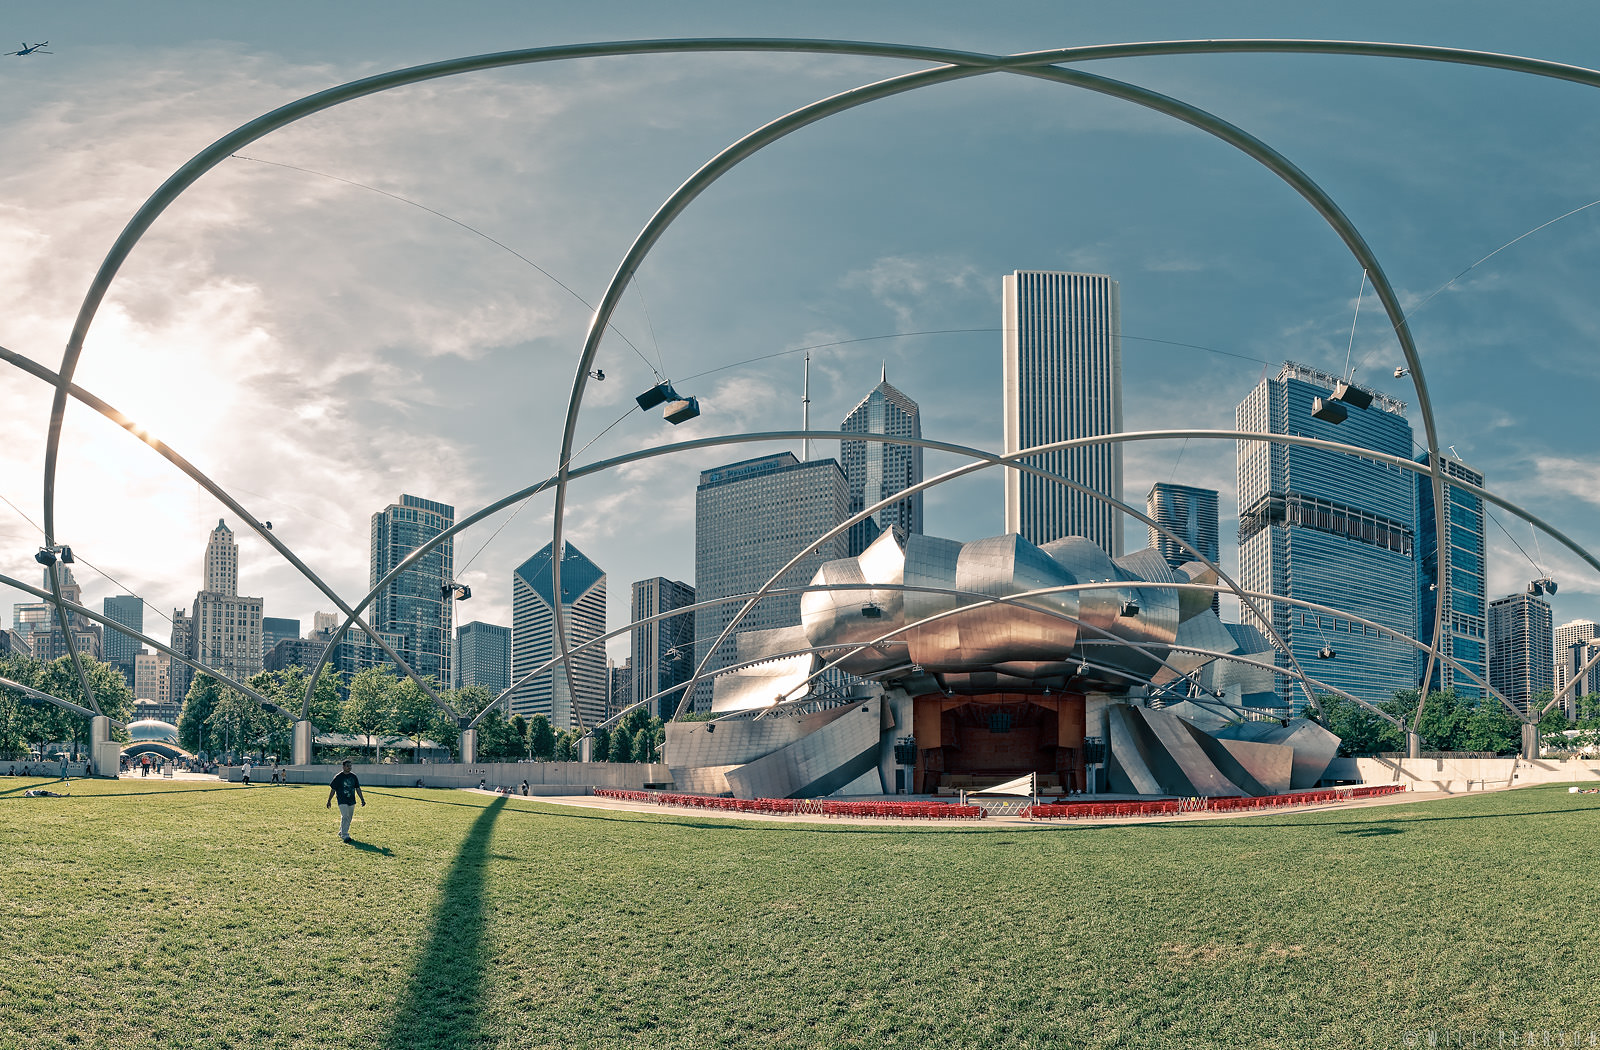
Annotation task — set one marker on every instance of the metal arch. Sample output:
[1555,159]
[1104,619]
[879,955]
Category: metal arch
[38,370]
[147,640]
[198,165]
[33,694]
[601,466]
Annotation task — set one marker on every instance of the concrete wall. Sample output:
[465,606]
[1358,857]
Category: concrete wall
[1457,775]
[544,778]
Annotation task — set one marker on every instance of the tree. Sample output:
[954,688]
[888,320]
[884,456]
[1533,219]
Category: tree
[60,679]
[496,738]
[1360,732]
[1490,727]
[369,709]
[198,703]
[644,745]
[621,746]
[541,739]
[413,711]
[564,748]
[600,746]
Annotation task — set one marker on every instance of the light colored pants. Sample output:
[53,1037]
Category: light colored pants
[345,813]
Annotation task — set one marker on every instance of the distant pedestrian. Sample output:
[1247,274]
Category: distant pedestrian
[346,788]
[524,787]
[63,766]
[246,771]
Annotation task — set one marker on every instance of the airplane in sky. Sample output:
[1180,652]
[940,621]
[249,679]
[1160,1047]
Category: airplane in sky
[28,49]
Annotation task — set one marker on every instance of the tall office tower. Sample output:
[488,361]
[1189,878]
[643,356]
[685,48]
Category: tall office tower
[275,629]
[323,621]
[663,651]
[750,519]
[1575,643]
[1521,647]
[47,639]
[14,644]
[876,470]
[179,674]
[1465,595]
[483,656]
[1323,527]
[417,604]
[28,618]
[1061,373]
[226,626]
[1190,513]
[222,561]
[119,648]
[153,686]
[619,693]
[533,639]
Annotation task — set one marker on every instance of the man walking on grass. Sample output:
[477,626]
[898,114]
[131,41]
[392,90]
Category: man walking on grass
[346,788]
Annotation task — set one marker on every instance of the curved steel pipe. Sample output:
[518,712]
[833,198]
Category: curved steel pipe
[158,646]
[197,166]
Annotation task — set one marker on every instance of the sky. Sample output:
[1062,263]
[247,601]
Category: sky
[319,346]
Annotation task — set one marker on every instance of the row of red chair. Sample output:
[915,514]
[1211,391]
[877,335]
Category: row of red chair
[822,807]
[1076,810]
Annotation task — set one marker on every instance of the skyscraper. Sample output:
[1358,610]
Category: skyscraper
[750,518]
[275,629]
[1521,646]
[1575,643]
[483,656]
[47,639]
[119,649]
[1061,373]
[1465,595]
[1190,513]
[876,470]
[179,675]
[1324,527]
[533,639]
[663,651]
[226,628]
[416,604]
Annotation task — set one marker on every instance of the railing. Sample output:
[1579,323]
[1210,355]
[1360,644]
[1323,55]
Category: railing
[916,810]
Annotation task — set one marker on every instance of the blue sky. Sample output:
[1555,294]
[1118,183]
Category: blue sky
[320,348]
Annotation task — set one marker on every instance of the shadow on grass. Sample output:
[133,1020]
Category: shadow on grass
[438,1007]
[367,847]
[1366,833]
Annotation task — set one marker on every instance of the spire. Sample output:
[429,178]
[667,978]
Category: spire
[885,377]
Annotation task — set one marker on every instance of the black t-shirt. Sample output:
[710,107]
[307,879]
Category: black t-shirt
[344,788]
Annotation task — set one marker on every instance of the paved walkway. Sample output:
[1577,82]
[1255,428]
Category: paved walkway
[990,823]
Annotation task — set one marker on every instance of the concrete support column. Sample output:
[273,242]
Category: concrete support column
[103,751]
[1530,741]
[469,746]
[1413,746]
[304,735]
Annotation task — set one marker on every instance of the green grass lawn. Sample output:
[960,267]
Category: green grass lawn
[146,914]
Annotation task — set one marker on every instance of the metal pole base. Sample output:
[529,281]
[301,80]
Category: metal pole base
[1530,742]
[1413,746]
[104,753]
[304,735]
[469,746]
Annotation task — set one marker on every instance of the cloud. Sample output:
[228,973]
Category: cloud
[907,286]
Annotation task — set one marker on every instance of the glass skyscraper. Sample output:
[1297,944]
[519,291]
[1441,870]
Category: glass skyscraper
[533,639]
[119,649]
[1330,528]
[1465,596]
[1189,512]
[415,604]
[1061,376]
[750,518]
[483,657]
[663,651]
[876,470]
[1521,648]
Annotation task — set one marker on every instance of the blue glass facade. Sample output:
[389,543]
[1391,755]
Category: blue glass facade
[1464,595]
[414,605]
[1333,529]
[119,649]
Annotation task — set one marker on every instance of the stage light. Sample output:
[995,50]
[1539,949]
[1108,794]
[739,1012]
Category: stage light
[1328,410]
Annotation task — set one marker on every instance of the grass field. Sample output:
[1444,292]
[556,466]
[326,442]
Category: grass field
[174,915]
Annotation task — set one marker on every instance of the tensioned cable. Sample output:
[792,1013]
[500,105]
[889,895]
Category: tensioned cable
[77,559]
[649,324]
[470,229]
[458,572]
[950,331]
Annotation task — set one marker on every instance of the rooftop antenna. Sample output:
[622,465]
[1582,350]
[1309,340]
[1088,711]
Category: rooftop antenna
[805,411]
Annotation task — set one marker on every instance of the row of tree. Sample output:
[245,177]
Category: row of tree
[1455,723]
[33,725]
